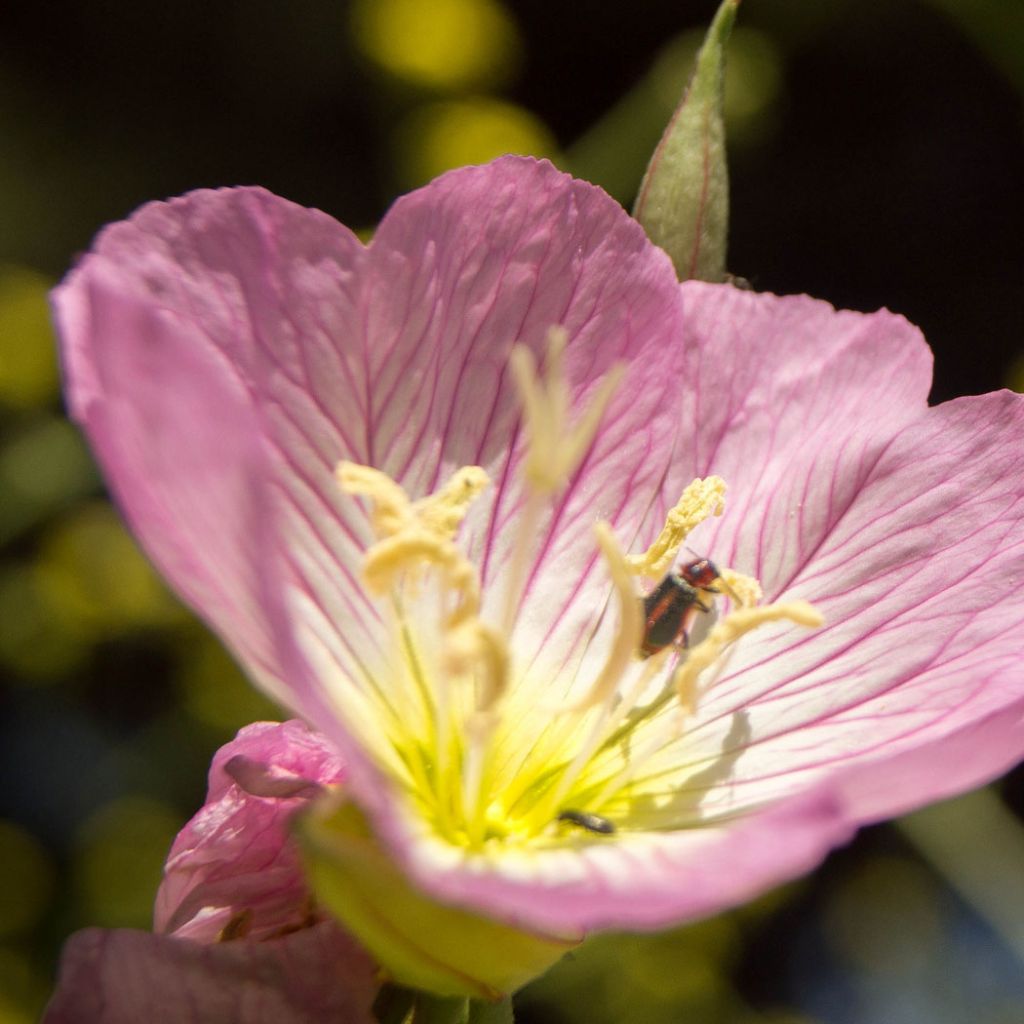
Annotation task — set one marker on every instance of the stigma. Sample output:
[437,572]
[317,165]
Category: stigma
[460,725]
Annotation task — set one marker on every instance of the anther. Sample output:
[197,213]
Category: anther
[443,511]
[391,508]
[701,499]
[473,648]
[727,631]
[554,448]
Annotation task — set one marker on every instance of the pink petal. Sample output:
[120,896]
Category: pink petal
[123,977]
[169,329]
[641,880]
[226,349]
[918,580]
[486,257]
[903,524]
[235,864]
[900,522]
[791,402]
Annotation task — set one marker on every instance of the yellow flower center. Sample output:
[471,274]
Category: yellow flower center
[461,727]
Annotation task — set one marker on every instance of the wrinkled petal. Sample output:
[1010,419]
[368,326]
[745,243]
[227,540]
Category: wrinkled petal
[169,329]
[924,620]
[225,350]
[234,865]
[124,977]
[791,402]
[484,258]
[902,523]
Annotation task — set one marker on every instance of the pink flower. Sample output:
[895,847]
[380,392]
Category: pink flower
[124,977]
[234,871]
[243,938]
[227,350]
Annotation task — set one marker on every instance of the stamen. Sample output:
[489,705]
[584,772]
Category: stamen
[701,499]
[727,631]
[389,558]
[479,652]
[443,511]
[391,510]
[473,648]
[439,514]
[553,448]
[627,636]
[413,536]
[745,590]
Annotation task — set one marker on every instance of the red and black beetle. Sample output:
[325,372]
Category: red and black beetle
[669,609]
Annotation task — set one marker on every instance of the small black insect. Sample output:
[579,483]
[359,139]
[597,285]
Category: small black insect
[591,822]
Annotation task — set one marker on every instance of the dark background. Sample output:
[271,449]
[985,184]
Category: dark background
[877,158]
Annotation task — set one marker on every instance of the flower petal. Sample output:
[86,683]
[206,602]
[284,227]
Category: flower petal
[919,585]
[901,523]
[234,864]
[191,334]
[791,402]
[642,880]
[481,259]
[124,976]
[225,350]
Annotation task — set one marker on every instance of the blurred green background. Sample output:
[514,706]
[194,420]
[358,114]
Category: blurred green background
[877,158]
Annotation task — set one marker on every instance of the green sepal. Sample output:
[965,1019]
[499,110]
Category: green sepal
[404,1006]
[393,1005]
[683,203]
[440,1010]
[491,1013]
[418,942]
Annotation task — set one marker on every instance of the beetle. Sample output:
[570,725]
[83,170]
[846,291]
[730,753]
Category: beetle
[588,821]
[670,607]
[701,573]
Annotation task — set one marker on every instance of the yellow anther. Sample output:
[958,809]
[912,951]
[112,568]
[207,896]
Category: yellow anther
[554,449]
[744,589]
[443,511]
[414,549]
[414,536]
[473,648]
[440,513]
[392,510]
[701,499]
[728,631]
